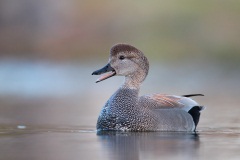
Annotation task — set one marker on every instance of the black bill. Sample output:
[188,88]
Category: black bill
[106,69]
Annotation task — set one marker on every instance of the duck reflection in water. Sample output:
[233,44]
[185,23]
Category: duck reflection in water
[149,145]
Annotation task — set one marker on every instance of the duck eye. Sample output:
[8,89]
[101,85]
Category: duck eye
[121,57]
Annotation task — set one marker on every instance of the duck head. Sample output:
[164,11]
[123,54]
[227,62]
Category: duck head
[125,60]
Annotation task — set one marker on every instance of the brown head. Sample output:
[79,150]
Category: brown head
[125,60]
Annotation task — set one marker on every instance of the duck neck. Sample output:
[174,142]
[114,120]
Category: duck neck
[134,81]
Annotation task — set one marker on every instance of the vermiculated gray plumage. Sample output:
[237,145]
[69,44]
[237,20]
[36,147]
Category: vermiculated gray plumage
[122,112]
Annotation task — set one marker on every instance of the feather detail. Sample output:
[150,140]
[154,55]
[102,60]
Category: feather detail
[164,101]
[192,95]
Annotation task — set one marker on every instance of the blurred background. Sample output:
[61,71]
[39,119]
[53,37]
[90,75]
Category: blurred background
[49,48]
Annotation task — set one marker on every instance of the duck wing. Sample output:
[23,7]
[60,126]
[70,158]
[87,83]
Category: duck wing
[165,101]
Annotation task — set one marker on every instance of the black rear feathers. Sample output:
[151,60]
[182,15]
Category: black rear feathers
[195,113]
[192,95]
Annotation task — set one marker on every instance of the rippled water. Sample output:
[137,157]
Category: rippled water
[49,111]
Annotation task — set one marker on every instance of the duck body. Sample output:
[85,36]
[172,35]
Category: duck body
[123,112]
[126,111]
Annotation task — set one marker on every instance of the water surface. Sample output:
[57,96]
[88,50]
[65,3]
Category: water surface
[49,111]
[73,143]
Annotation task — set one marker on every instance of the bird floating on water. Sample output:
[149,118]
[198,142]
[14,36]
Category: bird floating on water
[127,111]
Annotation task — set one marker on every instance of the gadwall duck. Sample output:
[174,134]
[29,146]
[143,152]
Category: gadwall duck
[126,111]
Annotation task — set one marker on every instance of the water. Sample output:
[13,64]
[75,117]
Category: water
[49,111]
[74,143]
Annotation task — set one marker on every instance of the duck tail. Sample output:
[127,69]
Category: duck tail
[192,95]
[195,112]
